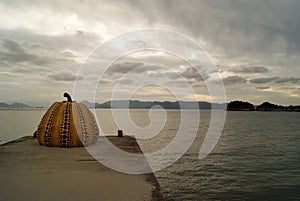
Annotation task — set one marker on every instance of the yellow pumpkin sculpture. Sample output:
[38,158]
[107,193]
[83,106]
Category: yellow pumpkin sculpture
[67,124]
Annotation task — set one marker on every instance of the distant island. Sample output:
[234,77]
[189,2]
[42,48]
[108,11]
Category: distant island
[136,104]
[266,106]
[240,106]
[202,105]
[14,105]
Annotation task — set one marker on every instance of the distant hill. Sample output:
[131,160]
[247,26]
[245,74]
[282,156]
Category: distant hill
[19,105]
[240,106]
[14,105]
[4,105]
[266,106]
[136,104]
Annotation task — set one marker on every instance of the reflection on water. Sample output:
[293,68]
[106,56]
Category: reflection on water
[256,158]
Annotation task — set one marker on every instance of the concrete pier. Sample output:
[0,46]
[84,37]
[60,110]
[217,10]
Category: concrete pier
[32,172]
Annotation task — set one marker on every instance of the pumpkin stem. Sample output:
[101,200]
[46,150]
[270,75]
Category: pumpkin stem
[68,97]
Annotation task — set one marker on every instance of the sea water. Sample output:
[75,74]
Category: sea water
[256,158]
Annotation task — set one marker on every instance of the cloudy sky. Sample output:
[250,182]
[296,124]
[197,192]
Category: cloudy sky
[254,44]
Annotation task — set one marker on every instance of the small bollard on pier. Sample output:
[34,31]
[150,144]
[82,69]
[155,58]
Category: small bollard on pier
[120,133]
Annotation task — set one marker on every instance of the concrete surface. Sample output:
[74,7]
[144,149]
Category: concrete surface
[32,172]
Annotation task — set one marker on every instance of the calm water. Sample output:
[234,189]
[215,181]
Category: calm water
[256,158]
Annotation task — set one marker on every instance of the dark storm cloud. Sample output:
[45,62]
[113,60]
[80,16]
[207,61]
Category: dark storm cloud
[104,81]
[288,80]
[263,80]
[231,80]
[152,70]
[19,55]
[123,67]
[290,88]
[262,88]
[13,52]
[235,26]
[192,73]
[147,68]
[250,69]
[34,62]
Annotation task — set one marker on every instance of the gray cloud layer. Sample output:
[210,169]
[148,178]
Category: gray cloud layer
[263,80]
[287,80]
[64,75]
[231,80]
[236,25]
[13,52]
[252,69]
[250,40]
